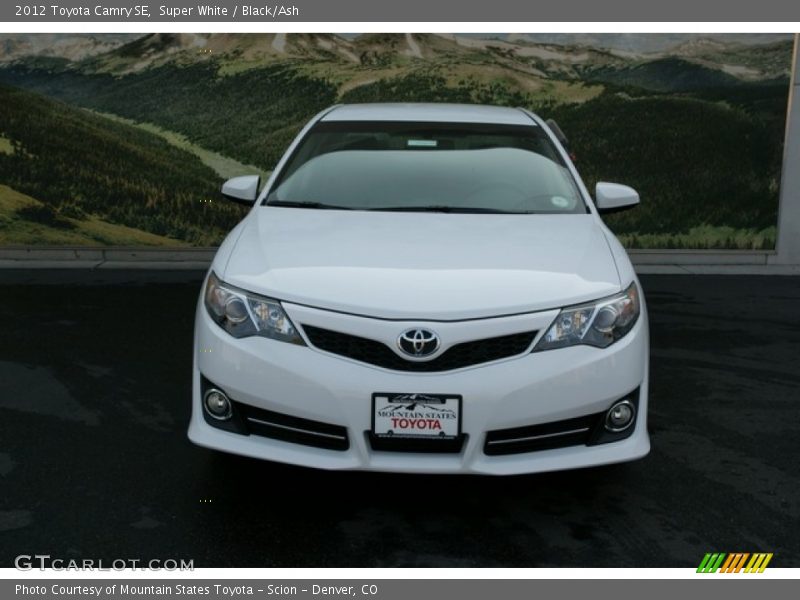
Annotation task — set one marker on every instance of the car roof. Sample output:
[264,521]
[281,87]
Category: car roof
[441,113]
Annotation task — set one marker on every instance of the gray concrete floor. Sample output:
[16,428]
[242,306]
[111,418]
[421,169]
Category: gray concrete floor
[94,460]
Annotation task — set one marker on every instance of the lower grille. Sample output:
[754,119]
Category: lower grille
[559,434]
[408,444]
[379,354]
[250,420]
[278,426]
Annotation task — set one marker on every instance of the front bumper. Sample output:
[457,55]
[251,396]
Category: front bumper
[535,388]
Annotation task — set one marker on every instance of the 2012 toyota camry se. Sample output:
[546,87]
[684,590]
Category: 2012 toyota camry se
[423,288]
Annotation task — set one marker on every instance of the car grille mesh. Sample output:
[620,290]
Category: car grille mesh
[379,354]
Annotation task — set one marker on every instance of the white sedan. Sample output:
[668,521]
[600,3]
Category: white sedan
[423,288]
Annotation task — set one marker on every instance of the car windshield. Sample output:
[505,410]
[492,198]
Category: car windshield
[408,166]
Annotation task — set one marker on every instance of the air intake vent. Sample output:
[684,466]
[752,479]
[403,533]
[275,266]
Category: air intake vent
[278,426]
[558,434]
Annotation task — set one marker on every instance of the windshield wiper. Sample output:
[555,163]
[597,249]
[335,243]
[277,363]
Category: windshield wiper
[425,208]
[293,204]
[443,209]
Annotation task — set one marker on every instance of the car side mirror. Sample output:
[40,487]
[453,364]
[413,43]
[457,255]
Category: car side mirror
[243,190]
[614,197]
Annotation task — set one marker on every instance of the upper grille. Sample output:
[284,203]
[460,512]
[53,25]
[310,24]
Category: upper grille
[379,354]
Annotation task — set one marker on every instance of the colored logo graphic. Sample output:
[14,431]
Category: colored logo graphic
[720,562]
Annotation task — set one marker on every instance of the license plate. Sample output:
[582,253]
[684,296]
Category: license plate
[416,415]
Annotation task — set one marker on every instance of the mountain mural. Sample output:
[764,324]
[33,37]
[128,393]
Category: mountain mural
[695,123]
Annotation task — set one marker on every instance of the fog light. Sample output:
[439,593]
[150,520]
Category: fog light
[217,405]
[620,416]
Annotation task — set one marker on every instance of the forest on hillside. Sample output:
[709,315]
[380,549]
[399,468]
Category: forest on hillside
[251,116]
[80,165]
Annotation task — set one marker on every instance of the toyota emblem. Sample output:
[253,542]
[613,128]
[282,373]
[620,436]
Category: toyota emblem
[418,343]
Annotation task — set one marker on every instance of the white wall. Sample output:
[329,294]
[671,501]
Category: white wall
[788,243]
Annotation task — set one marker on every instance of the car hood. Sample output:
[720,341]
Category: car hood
[422,265]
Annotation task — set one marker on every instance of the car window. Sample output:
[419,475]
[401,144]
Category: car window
[409,166]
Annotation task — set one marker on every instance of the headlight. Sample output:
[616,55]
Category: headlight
[598,324]
[243,314]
